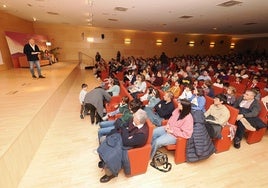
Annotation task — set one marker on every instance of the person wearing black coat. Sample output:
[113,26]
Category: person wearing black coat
[32,51]
[200,145]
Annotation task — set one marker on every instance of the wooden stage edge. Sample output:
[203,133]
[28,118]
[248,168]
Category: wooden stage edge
[18,150]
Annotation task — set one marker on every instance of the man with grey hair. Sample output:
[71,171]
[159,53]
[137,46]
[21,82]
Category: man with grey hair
[139,117]
[111,150]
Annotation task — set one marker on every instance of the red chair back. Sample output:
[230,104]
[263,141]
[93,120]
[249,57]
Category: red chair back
[209,101]
[217,90]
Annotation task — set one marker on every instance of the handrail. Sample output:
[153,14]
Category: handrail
[85,60]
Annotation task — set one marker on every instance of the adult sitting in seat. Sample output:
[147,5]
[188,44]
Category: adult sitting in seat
[162,110]
[204,76]
[180,124]
[249,109]
[159,80]
[217,116]
[113,150]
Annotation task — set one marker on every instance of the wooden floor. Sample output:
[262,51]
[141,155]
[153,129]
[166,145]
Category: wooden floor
[66,157]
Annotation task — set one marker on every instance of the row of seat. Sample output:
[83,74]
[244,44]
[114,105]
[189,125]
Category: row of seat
[139,157]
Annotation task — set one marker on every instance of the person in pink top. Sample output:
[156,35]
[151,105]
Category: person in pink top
[180,124]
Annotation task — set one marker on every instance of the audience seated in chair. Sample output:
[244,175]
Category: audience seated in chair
[113,150]
[247,119]
[162,110]
[180,124]
[217,116]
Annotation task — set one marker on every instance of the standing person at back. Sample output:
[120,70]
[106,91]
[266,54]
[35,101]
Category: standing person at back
[97,57]
[118,56]
[82,95]
[31,51]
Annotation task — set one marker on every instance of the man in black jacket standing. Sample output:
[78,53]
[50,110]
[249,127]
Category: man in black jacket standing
[31,50]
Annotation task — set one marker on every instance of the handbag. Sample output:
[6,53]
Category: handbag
[160,162]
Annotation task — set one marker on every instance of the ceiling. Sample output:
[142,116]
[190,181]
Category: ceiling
[189,16]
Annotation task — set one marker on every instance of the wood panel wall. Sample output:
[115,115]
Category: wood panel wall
[15,24]
[73,39]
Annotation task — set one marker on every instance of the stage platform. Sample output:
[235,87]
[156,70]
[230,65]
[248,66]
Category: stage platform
[28,107]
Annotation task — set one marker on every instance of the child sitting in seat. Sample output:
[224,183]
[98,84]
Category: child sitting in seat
[166,85]
[154,98]
[145,97]
[231,95]
[120,108]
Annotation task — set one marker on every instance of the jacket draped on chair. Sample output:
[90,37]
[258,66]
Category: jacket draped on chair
[200,145]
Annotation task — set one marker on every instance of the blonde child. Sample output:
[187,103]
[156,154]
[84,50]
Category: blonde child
[82,95]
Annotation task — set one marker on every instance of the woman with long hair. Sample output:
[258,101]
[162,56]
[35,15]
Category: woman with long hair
[180,124]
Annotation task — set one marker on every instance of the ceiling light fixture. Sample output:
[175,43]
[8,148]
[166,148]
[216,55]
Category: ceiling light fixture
[4,6]
[34,19]
[229,3]
[127,41]
[186,17]
[191,43]
[122,9]
[90,39]
[212,44]
[232,46]
[114,20]
[53,13]
[159,42]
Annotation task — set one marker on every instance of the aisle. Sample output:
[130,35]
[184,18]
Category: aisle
[65,156]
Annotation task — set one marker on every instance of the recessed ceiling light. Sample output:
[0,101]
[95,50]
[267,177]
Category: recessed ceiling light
[34,19]
[186,17]
[229,3]
[4,6]
[250,23]
[114,20]
[120,9]
[53,13]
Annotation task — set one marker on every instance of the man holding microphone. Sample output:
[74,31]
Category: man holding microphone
[31,50]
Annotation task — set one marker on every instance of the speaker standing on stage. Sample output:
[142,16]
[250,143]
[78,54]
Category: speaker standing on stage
[31,50]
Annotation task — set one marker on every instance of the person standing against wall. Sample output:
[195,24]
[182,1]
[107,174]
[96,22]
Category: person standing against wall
[31,50]
[97,57]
